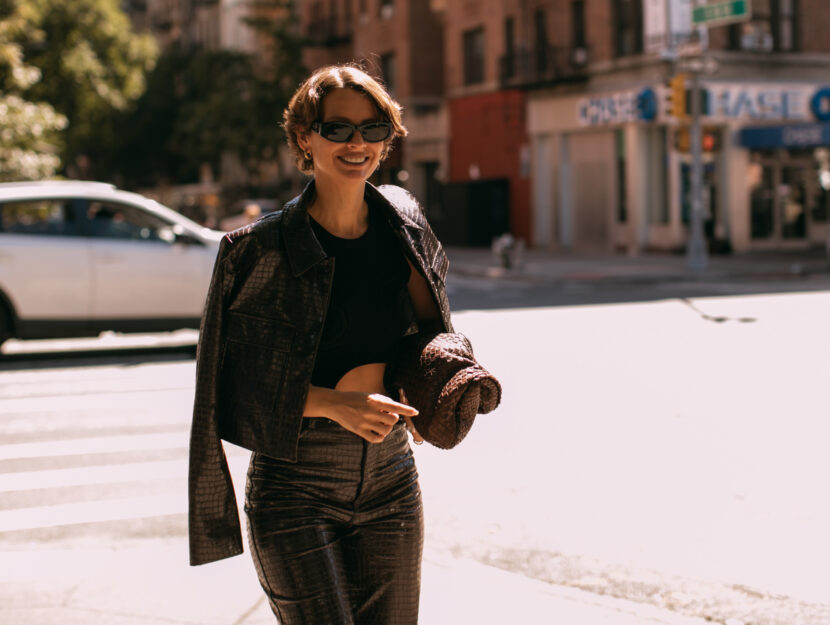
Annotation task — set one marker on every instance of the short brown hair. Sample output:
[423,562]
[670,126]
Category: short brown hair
[306,106]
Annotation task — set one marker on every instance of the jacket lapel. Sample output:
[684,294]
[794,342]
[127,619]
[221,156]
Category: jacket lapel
[301,246]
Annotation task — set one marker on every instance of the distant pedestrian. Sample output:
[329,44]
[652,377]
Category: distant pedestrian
[307,307]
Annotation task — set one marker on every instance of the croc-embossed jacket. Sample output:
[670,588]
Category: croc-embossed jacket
[258,341]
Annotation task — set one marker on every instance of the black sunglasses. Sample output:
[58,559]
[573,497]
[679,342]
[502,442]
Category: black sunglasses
[341,132]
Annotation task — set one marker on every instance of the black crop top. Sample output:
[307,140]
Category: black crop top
[365,317]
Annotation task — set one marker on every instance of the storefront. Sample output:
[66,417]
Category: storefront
[789,184]
[611,171]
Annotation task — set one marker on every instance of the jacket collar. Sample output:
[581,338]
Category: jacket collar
[302,247]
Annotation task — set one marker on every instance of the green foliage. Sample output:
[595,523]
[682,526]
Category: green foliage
[200,104]
[92,67]
[28,130]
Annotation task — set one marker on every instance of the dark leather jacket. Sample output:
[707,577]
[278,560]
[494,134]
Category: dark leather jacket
[257,344]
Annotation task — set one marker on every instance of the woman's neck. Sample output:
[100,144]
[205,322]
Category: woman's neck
[340,209]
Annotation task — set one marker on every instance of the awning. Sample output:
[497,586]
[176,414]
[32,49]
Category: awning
[790,136]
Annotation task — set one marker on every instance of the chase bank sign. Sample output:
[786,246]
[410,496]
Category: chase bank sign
[618,108]
[722,102]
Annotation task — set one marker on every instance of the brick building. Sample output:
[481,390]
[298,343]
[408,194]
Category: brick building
[549,117]
[611,169]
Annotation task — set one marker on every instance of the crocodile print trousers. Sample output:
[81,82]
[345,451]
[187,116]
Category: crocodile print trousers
[337,537]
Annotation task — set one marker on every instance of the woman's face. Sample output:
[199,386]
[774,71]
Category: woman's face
[350,161]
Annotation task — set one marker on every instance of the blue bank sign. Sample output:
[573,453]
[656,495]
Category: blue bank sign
[618,108]
[793,136]
[724,102]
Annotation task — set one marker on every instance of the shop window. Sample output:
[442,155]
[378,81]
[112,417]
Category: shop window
[473,45]
[762,201]
[622,189]
[821,202]
[793,202]
[628,33]
[773,27]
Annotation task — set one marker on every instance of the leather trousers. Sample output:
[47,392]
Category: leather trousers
[337,537]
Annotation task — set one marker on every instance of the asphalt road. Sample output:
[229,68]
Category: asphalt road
[664,447]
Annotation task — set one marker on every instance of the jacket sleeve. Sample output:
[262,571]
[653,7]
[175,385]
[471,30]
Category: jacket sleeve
[213,518]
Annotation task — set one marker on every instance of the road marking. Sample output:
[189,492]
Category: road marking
[92,512]
[102,474]
[95,445]
[107,510]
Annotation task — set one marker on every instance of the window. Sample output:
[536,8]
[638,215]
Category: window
[387,69]
[622,189]
[473,44]
[628,36]
[386,9]
[772,28]
[40,217]
[509,66]
[109,220]
[541,31]
[578,23]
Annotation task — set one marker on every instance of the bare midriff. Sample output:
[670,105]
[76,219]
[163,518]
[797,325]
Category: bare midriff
[364,379]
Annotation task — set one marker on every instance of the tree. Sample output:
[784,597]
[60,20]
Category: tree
[28,130]
[92,65]
[201,104]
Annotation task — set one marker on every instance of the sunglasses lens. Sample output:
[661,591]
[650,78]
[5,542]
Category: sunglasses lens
[376,132]
[337,132]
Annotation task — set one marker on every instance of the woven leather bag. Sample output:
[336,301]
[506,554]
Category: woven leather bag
[438,375]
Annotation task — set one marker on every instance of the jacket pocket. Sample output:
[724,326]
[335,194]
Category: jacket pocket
[254,363]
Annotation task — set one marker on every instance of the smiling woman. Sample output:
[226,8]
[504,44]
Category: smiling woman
[307,310]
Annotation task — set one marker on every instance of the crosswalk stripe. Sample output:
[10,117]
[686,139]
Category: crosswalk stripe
[92,445]
[92,512]
[114,509]
[85,476]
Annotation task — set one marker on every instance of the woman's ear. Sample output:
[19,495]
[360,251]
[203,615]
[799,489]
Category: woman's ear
[303,142]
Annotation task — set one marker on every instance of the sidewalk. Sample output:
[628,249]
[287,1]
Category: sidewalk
[545,267]
[152,585]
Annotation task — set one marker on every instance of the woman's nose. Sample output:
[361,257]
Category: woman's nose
[356,138]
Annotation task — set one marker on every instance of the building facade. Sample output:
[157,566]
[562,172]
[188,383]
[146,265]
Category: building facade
[549,118]
[611,166]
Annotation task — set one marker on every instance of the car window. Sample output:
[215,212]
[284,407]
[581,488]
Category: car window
[111,220]
[54,217]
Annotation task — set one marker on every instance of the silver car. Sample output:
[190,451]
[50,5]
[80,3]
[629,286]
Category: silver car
[78,258]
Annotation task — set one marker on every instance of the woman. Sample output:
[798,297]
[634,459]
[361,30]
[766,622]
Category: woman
[304,315]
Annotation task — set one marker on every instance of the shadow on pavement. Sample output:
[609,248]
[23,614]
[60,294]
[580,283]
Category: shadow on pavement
[481,293]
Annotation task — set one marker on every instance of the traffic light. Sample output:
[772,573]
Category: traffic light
[709,139]
[676,96]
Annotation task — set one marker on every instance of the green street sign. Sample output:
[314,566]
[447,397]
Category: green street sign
[720,13]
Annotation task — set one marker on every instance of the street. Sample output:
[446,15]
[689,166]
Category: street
[652,444]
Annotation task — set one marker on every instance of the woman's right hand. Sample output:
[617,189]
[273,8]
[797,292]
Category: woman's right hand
[369,415]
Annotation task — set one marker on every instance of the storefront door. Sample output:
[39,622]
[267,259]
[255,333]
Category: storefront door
[780,199]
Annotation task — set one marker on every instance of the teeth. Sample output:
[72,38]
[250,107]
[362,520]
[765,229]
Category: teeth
[354,159]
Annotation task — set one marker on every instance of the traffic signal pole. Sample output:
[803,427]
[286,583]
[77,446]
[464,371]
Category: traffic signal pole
[696,252]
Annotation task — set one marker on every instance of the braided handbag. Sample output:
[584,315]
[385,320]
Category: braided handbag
[438,375]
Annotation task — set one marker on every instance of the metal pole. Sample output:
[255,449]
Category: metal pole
[696,255]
